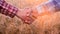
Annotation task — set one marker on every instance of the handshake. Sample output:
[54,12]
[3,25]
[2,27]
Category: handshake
[27,15]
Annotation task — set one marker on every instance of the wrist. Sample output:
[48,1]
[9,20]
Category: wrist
[18,14]
[35,12]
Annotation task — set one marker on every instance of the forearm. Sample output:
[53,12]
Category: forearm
[50,6]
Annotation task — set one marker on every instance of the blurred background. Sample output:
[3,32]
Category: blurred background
[47,24]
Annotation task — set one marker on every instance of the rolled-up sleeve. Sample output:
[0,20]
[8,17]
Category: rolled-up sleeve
[7,9]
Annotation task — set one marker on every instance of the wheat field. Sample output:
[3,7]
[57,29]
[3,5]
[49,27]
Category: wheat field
[47,24]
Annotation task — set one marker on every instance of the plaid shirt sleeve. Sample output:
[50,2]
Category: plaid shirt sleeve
[7,9]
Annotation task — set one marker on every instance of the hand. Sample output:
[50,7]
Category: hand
[27,15]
